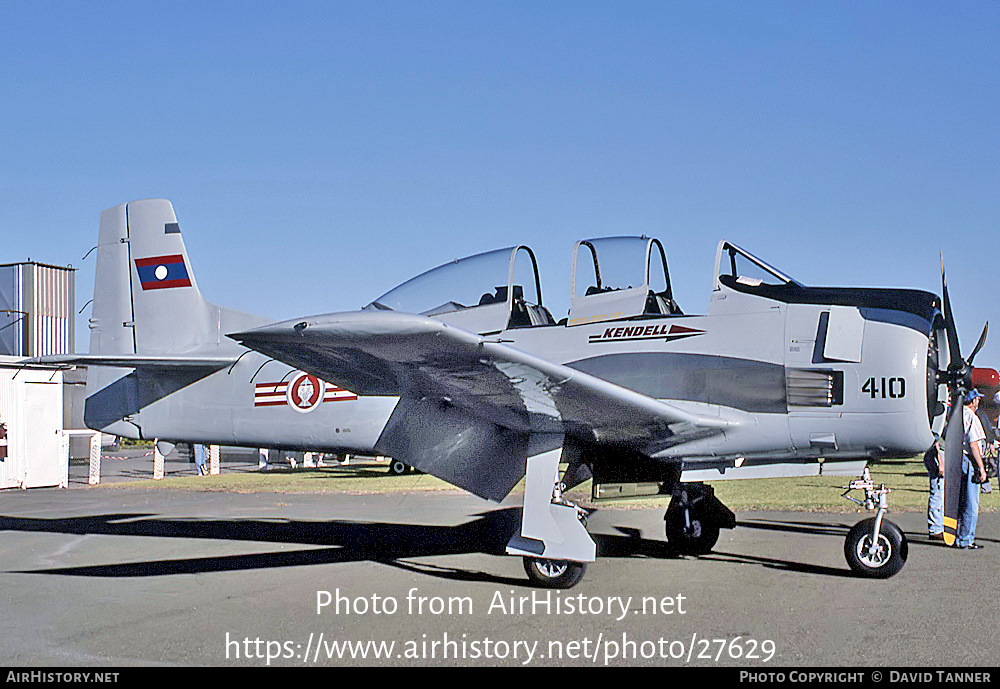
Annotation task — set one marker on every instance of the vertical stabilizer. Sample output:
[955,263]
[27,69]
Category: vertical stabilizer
[147,302]
[146,297]
[169,315]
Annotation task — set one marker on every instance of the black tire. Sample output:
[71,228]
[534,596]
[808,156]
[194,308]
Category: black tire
[398,468]
[554,574]
[887,560]
[697,539]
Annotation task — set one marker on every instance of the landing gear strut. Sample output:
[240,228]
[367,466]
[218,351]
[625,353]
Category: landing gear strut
[694,517]
[553,538]
[875,547]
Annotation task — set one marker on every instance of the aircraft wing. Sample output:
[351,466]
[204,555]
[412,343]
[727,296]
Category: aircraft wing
[470,385]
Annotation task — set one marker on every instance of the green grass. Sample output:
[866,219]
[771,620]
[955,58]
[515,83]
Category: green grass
[334,479]
[906,478]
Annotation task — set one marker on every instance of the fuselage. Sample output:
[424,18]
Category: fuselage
[798,379]
[793,371]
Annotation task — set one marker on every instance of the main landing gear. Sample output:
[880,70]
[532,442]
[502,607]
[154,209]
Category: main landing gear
[553,538]
[558,574]
[875,547]
[694,517]
[554,574]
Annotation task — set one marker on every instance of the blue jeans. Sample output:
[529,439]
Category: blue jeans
[199,458]
[935,502]
[968,503]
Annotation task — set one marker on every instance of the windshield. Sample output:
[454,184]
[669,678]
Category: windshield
[749,270]
[611,263]
[619,277]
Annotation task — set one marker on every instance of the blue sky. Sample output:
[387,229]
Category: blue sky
[317,154]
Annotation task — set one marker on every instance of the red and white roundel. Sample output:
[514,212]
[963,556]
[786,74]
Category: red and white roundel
[305,392]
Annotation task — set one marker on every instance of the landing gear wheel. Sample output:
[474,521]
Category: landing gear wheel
[397,468]
[696,535]
[554,574]
[889,555]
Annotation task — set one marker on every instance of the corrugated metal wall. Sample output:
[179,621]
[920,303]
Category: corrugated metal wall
[10,332]
[36,309]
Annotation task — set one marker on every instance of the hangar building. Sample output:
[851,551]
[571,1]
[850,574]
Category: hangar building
[37,404]
[36,309]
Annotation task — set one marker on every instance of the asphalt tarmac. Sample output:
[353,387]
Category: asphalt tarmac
[117,577]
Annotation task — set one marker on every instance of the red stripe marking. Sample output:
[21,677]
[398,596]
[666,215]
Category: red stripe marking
[163,284]
[158,260]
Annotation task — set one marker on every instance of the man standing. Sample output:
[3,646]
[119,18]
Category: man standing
[934,461]
[199,459]
[973,473]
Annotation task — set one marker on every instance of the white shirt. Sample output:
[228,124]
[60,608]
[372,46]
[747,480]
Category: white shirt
[974,432]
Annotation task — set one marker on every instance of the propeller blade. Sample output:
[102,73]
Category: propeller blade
[954,446]
[954,352]
[959,380]
[979,345]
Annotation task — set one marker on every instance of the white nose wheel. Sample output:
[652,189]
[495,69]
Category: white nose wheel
[875,547]
[877,558]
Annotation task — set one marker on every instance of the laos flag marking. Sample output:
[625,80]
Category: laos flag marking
[161,272]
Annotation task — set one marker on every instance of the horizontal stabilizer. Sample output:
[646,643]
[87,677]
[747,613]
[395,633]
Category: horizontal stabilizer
[134,361]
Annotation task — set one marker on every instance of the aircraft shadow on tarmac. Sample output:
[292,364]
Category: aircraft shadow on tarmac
[392,544]
[838,530]
[817,529]
[345,541]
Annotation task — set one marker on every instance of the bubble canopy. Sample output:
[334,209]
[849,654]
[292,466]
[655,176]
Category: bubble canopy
[486,292]
[619,277]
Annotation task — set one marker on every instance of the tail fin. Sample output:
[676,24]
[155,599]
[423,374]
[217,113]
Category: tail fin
[147,306]
[146,298]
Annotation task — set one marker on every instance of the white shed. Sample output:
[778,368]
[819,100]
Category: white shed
[31,414]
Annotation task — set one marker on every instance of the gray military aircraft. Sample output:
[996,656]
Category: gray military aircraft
[462,373]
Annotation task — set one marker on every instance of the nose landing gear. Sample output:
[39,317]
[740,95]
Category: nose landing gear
[875,547]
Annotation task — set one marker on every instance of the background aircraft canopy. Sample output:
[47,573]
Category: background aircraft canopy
[487,292]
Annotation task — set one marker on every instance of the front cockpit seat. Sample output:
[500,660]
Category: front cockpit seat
[658,304]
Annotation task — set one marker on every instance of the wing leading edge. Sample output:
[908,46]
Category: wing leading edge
[472,408]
